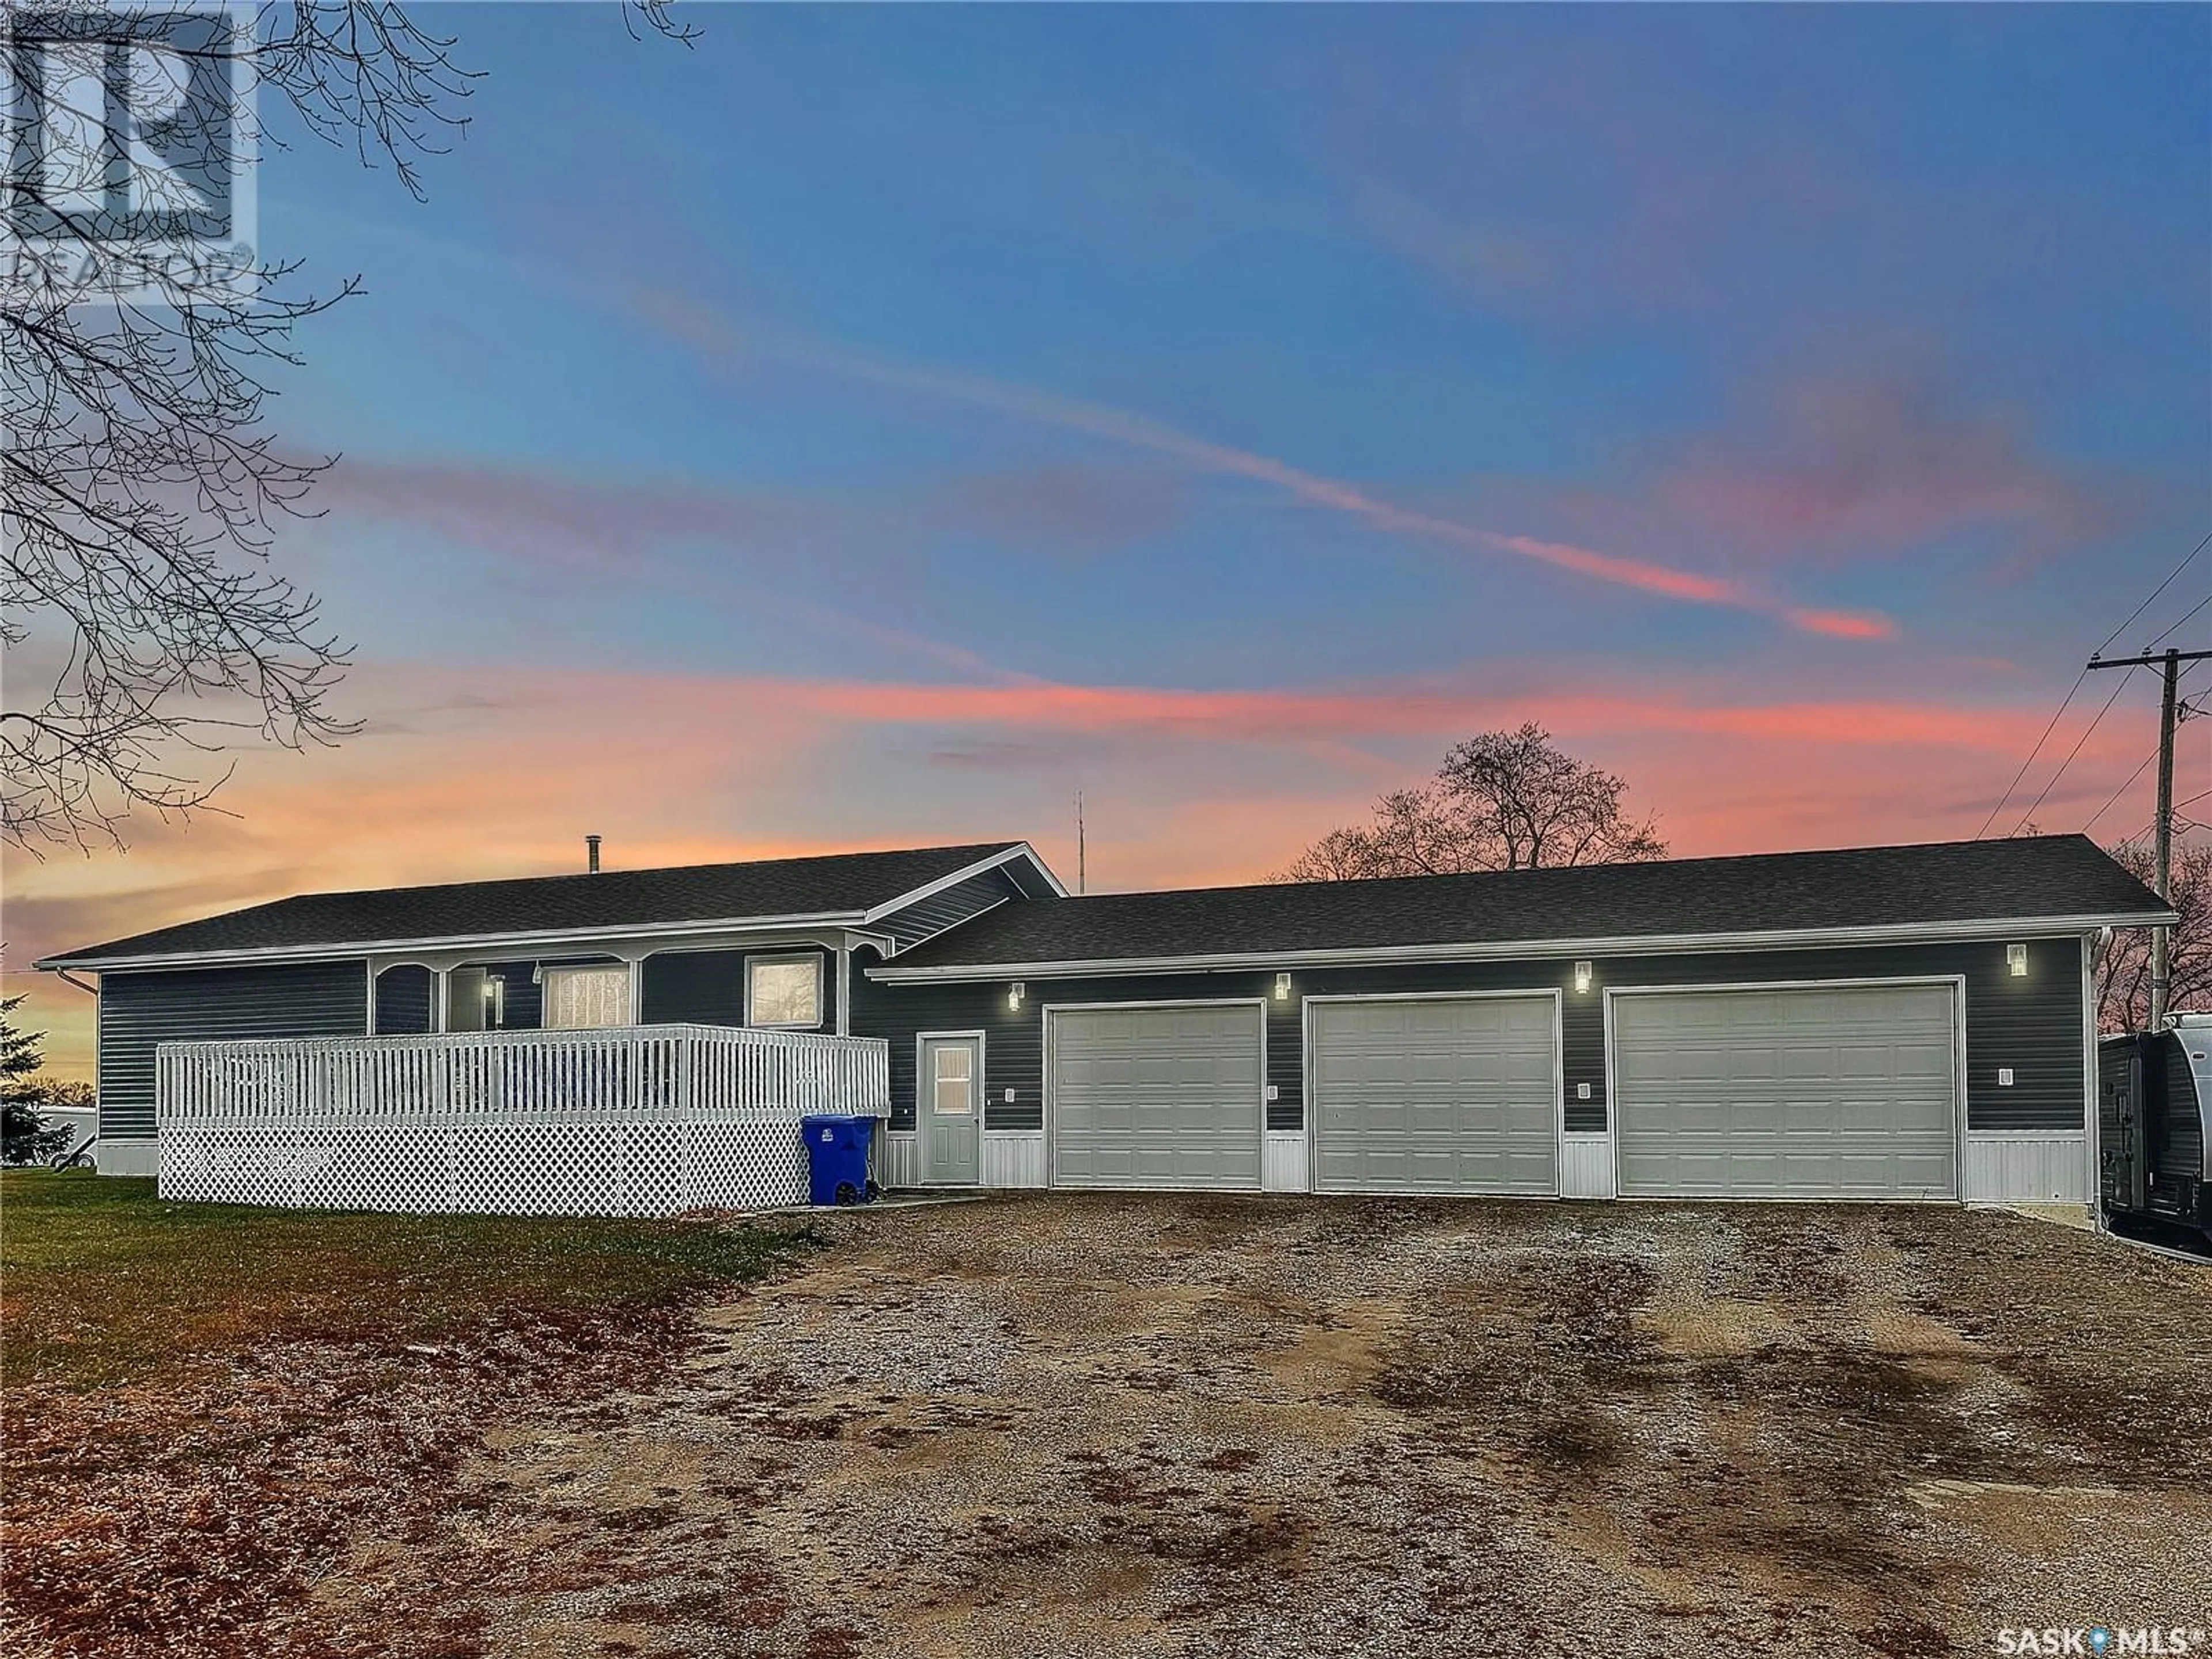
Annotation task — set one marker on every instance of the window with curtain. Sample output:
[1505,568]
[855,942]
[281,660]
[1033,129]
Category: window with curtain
[783,990]
[586,999]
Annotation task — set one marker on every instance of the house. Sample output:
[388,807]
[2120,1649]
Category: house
[1893,1023]
[766,945]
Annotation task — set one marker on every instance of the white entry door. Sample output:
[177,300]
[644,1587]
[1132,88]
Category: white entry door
[949,1108]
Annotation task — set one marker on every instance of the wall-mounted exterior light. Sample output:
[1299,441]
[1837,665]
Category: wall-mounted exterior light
[1282,987]
[2016,960]
[1014,996]
[1582,976]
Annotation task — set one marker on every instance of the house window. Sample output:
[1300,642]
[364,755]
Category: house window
[783,990]
[586,999]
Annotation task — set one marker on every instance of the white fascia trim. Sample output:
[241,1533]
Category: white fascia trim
[1019,850]
[386,947]
[1058,886]
[1916,933]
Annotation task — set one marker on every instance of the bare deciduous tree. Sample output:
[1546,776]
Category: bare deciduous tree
[2123,962]
[147,630]
[1502,800]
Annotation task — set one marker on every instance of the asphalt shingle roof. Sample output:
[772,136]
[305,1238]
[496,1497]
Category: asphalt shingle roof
[837,883]
[2020,880]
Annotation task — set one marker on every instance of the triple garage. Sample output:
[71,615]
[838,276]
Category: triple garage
[1759,1091]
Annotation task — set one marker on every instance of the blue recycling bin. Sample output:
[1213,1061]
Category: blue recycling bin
[837,1158]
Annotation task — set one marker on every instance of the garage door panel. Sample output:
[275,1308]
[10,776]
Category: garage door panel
[1816,1092]
[1157,1096]
[1442,1095]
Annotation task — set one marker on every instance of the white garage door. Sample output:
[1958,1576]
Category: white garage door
[1832,1092]
[1435,1095]
[1167,1096]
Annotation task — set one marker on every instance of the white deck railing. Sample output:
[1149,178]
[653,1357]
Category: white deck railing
[646,1120]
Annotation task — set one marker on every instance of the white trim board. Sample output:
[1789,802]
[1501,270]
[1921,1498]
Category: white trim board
[1586,1164]
[968,872]
[1283,1162]
[2023,1167]
[1012,1158]
[1988,930]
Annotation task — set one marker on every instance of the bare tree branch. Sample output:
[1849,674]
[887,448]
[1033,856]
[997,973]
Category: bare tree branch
[2122,962]
[1502,801]
[142,494]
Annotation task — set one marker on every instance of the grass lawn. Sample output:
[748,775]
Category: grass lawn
[204,1400]
[102,1282]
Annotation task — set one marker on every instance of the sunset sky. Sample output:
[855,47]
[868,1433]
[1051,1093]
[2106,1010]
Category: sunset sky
[869,427]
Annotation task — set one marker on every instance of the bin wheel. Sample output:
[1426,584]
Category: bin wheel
[847,1193]
[874,1192]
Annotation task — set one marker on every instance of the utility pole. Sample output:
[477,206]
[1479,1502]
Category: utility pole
[2161,976]
[2169,665]
[1078,844]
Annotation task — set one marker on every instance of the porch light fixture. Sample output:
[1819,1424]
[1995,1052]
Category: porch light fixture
[2016,959]
[1582,975]
[1014,997]
[1282,987]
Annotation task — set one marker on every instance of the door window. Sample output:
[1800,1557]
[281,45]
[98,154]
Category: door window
[953,1080]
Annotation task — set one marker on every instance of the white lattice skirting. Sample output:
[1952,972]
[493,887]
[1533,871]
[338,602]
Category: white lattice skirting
[642,1120]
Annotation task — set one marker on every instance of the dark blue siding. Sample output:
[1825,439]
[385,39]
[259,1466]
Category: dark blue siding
[206,1005]
[956,904]
[403,1001]
[2032,1024]
[707,987]
[522,1004]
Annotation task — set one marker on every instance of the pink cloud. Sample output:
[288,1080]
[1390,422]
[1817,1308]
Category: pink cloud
[1859,463]
[707,331]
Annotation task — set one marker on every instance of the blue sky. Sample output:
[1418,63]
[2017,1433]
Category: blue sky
[871,426]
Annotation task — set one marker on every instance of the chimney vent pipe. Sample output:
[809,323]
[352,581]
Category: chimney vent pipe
[592,854]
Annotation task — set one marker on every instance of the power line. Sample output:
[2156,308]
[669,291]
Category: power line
[2123,790]
[2179,823]
[2184,622]
[2075,751]
[2067,702]
[2155,592]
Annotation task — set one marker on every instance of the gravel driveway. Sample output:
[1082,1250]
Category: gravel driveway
[1182,1425]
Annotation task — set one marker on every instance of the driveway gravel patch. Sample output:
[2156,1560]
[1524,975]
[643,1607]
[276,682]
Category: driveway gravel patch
[1175,1424]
